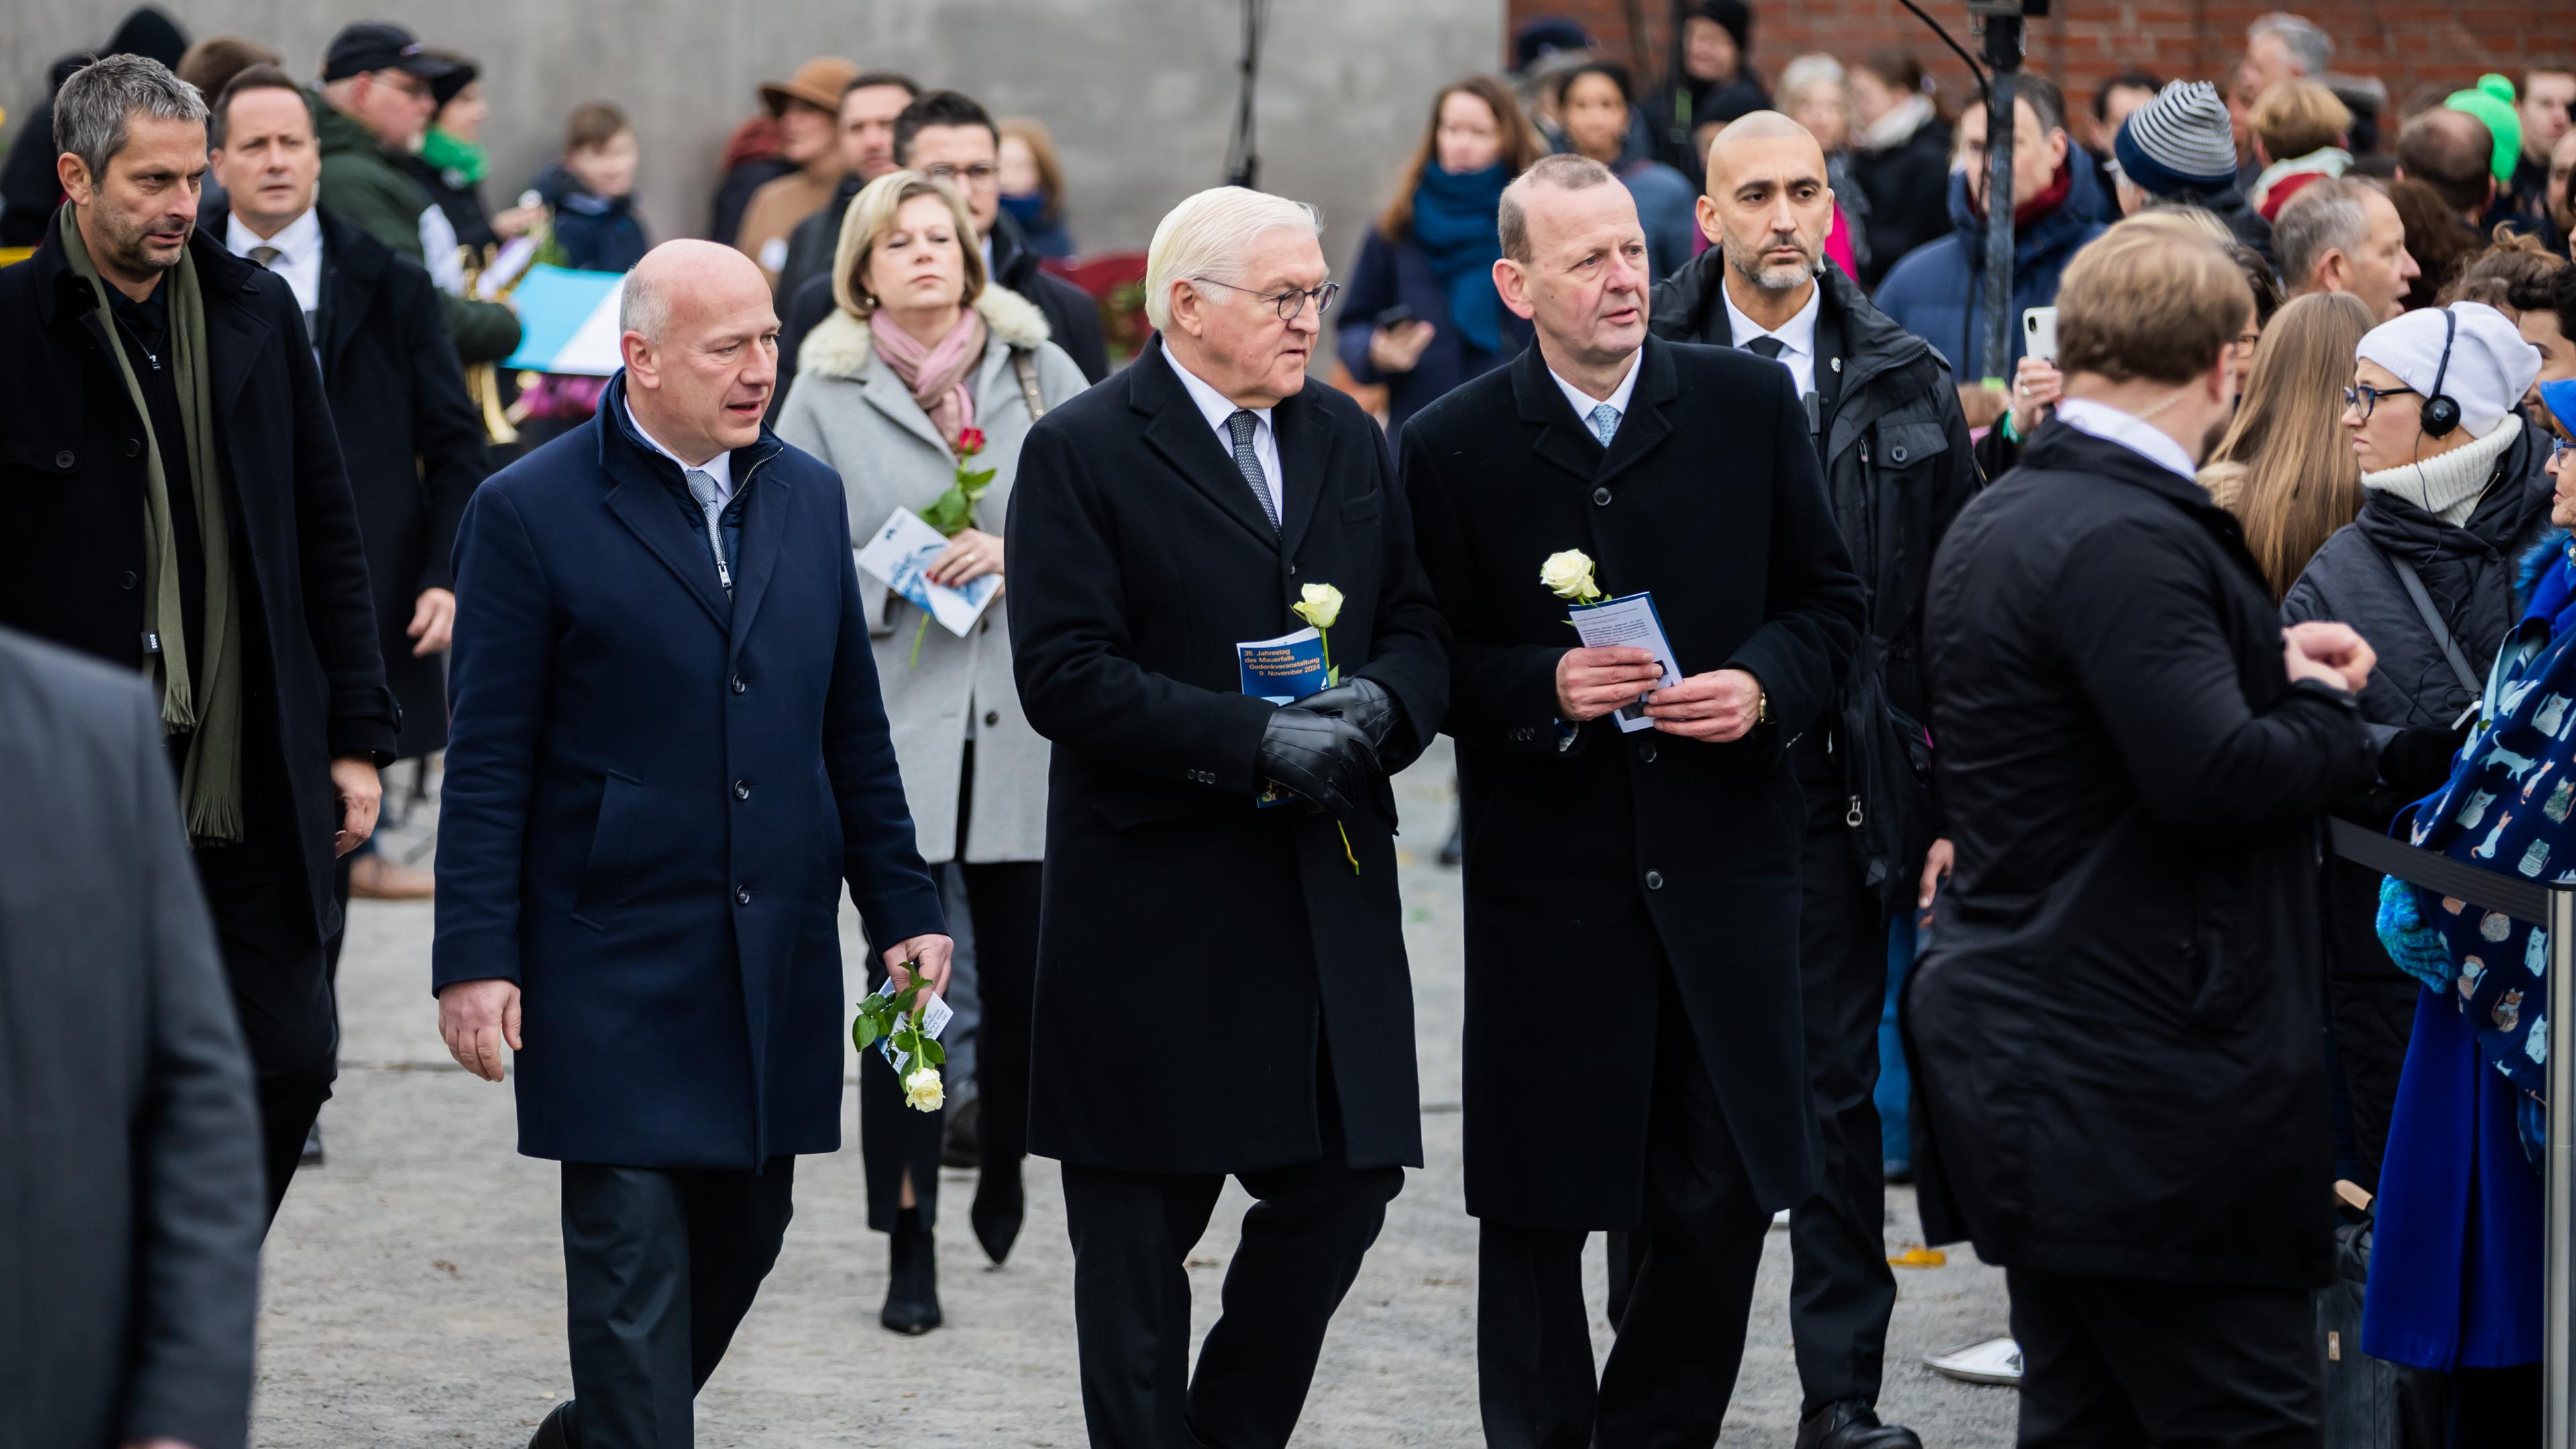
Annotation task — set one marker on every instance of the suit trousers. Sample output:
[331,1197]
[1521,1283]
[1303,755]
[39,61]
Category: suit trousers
[1681,1336]
[660,1265]
[1310,1226]
[2112,1363]
[1841,1291]
[280,986]
[893,1138]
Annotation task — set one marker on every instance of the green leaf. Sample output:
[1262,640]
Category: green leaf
[864,1032]
[933,1053]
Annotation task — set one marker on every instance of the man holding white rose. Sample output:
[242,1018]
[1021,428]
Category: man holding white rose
[1633,1053]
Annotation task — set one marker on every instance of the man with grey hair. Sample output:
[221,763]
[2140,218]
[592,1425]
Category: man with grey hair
[180,509]
[1169,531]
[2343,234]
[2281,46]
[667,754]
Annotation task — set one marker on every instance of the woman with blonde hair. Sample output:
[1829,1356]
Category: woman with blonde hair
[2285,466]
[925,375]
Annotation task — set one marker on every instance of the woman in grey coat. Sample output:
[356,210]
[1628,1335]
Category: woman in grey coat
[922,354]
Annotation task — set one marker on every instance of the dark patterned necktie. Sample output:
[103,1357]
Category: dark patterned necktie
[1240,423]
[1767,346]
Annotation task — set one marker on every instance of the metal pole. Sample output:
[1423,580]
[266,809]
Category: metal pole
[2560,1203]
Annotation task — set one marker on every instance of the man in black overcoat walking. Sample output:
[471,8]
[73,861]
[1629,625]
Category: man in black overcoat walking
[177,506]
[1221,987]
[1633,1057]
[1897,466]
[409,432]
[2115,1030]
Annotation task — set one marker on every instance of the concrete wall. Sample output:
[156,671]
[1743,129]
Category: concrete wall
[1140,93]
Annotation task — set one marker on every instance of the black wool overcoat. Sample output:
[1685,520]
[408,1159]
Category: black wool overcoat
[1198,956]
[1596,863]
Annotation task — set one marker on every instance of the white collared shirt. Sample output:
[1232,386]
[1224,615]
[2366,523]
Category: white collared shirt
[2114,426]
[719,468]
[1216,407]
[1584,402]
[1797,335]
[298,261]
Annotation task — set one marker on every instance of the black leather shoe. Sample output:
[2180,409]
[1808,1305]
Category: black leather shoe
[1852,1424]
[556,1431]
[999,1206]
[912,1278]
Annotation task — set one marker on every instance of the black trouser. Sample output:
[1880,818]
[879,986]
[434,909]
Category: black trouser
[1310,1226]
[1681,1338]
[2111,1363]
[660,1265]
[1841,1290]
[281,990]
[893,1138]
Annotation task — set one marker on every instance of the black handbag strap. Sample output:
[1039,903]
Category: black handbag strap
[2433,621]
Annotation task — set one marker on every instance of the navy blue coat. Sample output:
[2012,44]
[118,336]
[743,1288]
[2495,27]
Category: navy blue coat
[1936,290]
[1392,272]
[654,793]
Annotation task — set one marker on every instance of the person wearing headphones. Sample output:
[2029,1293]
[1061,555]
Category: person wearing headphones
[2456,1281]
[2453,496]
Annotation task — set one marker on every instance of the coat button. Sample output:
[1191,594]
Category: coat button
[740,684]
[992,717]
[742,789]
[64,459]
[134,447]
[1601,496]
[125,580]
[1897,453]
[1292,571]
[742,895]
[1654,880]
[1646,752]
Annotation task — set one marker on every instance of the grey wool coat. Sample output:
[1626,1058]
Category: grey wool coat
[850,410]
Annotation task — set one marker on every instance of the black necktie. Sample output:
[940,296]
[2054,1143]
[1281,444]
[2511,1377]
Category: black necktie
[1766,346]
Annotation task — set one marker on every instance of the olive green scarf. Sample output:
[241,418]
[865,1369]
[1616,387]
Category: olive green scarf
[204,703]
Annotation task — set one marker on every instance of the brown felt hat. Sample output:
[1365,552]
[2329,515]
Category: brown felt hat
[818,82]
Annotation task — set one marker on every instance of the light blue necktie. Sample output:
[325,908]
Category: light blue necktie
[702,487]
[1605,423]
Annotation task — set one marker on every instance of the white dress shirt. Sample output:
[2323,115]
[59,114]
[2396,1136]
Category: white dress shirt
[1797,336]
[1584,402]
[298,260]
[1216,407]
[2114,426]
[718,468]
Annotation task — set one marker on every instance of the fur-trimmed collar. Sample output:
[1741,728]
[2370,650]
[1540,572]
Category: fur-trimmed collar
[841,346]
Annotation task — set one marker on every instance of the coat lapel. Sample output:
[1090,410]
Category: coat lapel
[1305,446]
[644,504]
[1180,432]
[764,528]
[886,393]
[1562,439]
[1647,422]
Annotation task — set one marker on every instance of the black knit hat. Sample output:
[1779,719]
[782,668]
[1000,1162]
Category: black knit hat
[1733,16]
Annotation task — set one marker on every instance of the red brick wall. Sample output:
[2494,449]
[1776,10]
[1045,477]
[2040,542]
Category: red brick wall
[2085,41]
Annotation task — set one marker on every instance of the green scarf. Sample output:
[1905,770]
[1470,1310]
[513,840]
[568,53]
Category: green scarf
[448,153]
[205,703]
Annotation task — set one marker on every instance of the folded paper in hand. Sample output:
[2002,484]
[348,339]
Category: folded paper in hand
[1629,621]
[1279,670]
[934,1020]
[900,553]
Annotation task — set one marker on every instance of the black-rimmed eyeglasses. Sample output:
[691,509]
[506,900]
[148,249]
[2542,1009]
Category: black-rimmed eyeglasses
[2367,398]
[1290,302]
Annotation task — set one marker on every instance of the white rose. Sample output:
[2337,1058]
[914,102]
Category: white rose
[1322,605]
[1568,575]
[922,1091]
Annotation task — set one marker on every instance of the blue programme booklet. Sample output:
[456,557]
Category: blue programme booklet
[1279,670]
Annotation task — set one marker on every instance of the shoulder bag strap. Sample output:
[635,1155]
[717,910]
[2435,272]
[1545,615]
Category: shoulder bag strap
[1025,365]
[2433,620]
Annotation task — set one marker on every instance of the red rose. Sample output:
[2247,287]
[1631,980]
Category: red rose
[970,442]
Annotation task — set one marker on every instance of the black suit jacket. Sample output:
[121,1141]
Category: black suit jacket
[72,483]
[1196,951]
[131,1197]
[411,439]
[1593,863]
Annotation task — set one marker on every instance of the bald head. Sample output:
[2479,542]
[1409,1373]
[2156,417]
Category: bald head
[1769,209]
[700,342]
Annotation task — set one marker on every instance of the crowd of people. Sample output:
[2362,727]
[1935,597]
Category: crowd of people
[2008,709]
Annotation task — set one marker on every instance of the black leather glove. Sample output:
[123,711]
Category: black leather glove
[2418,758]
[1320,756]
[1364,702]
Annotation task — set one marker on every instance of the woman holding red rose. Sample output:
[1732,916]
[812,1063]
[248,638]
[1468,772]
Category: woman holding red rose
[919,389]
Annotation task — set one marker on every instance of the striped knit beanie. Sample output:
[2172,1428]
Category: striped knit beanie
[2180,141]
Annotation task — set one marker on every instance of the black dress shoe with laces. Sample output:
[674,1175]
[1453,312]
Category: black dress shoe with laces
[1852,1424]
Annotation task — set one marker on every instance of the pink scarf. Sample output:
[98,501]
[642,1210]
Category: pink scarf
[937,375]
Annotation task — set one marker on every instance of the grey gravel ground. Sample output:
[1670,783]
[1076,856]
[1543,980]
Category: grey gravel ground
[414,1285]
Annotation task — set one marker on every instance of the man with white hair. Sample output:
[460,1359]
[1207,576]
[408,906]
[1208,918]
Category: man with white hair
[666,753]
[1221,987]
[2343,234]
